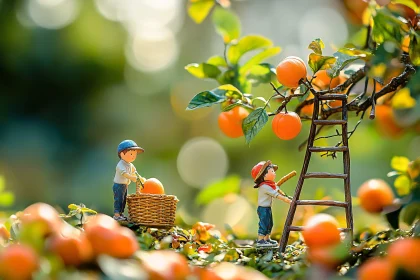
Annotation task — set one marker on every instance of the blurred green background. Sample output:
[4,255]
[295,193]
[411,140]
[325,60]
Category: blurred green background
[79,76]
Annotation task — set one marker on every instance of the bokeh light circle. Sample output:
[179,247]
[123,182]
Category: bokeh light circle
[52,14]
[152,49]
[201,161]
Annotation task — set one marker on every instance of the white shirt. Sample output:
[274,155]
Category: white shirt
[266,194]
[124,167]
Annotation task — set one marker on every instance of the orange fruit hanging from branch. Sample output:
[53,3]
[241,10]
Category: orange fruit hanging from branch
[286,125]
[230,122]
[374,195]
[152,186]
[290,70]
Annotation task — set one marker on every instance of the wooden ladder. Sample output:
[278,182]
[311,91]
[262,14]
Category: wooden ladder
[306,175]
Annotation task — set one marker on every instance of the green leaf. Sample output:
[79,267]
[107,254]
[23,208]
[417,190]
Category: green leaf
[414,49]
[88,211]
[260,73]
[318,62]
[6,199]
[229,91]
[73,206]
[231,106]
[400,163]
[303,89]
[403,100]
[217,61]
[227,24]
[365,55]
[203,70]
[205,99]
[386,27]
[316,46]
[246,44]
[414,84]
[409,3]
[257,59]
[199,10]
[342,60]
[252,124]
[218,189]
[392,215]
[402,185]
[259,98]
[411,213]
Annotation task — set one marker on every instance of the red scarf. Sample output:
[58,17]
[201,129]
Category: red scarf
[272,184]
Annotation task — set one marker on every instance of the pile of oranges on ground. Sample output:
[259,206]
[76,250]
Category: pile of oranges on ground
[101,235]
[42,233]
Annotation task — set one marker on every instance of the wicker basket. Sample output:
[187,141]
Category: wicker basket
[153,210]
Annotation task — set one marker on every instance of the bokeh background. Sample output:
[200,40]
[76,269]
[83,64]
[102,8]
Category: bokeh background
[79,76]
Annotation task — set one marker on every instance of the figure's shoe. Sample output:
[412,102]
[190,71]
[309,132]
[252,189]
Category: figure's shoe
[122,215]
[272,242]
[119,218]
[263,243]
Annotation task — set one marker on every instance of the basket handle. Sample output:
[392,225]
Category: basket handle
[138,182]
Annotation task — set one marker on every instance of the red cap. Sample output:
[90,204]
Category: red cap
[258,169]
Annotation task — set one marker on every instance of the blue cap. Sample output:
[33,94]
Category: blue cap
[129,144]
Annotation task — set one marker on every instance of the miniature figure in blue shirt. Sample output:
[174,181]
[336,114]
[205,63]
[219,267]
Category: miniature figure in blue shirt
[125,174]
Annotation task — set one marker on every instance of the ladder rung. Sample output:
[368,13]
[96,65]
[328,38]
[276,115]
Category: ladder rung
[329,149]
[332,97]
[300,228]
[329,122]
[322,202]
[325,175]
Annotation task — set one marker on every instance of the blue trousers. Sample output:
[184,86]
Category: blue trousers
[120,197]
[266,220]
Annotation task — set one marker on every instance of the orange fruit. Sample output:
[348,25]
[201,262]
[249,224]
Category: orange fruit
[286,125]
[153,186]
[4,233]
[164,264]
[18,262]
[123,244]
[376,268]
[385,122]
[230,122]
[204,273]
[321,230]
[374,195]
[107,237]
[73,250]
[290,70]
[323,256]
[44,214]
[100,230]
[323,81]
[405,253]
[405,43]
[230,271]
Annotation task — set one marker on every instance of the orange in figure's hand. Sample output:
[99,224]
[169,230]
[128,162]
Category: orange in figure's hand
[230,122]
[374,195]
[290,71]
[153,186]
[321,230]
[286,125]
